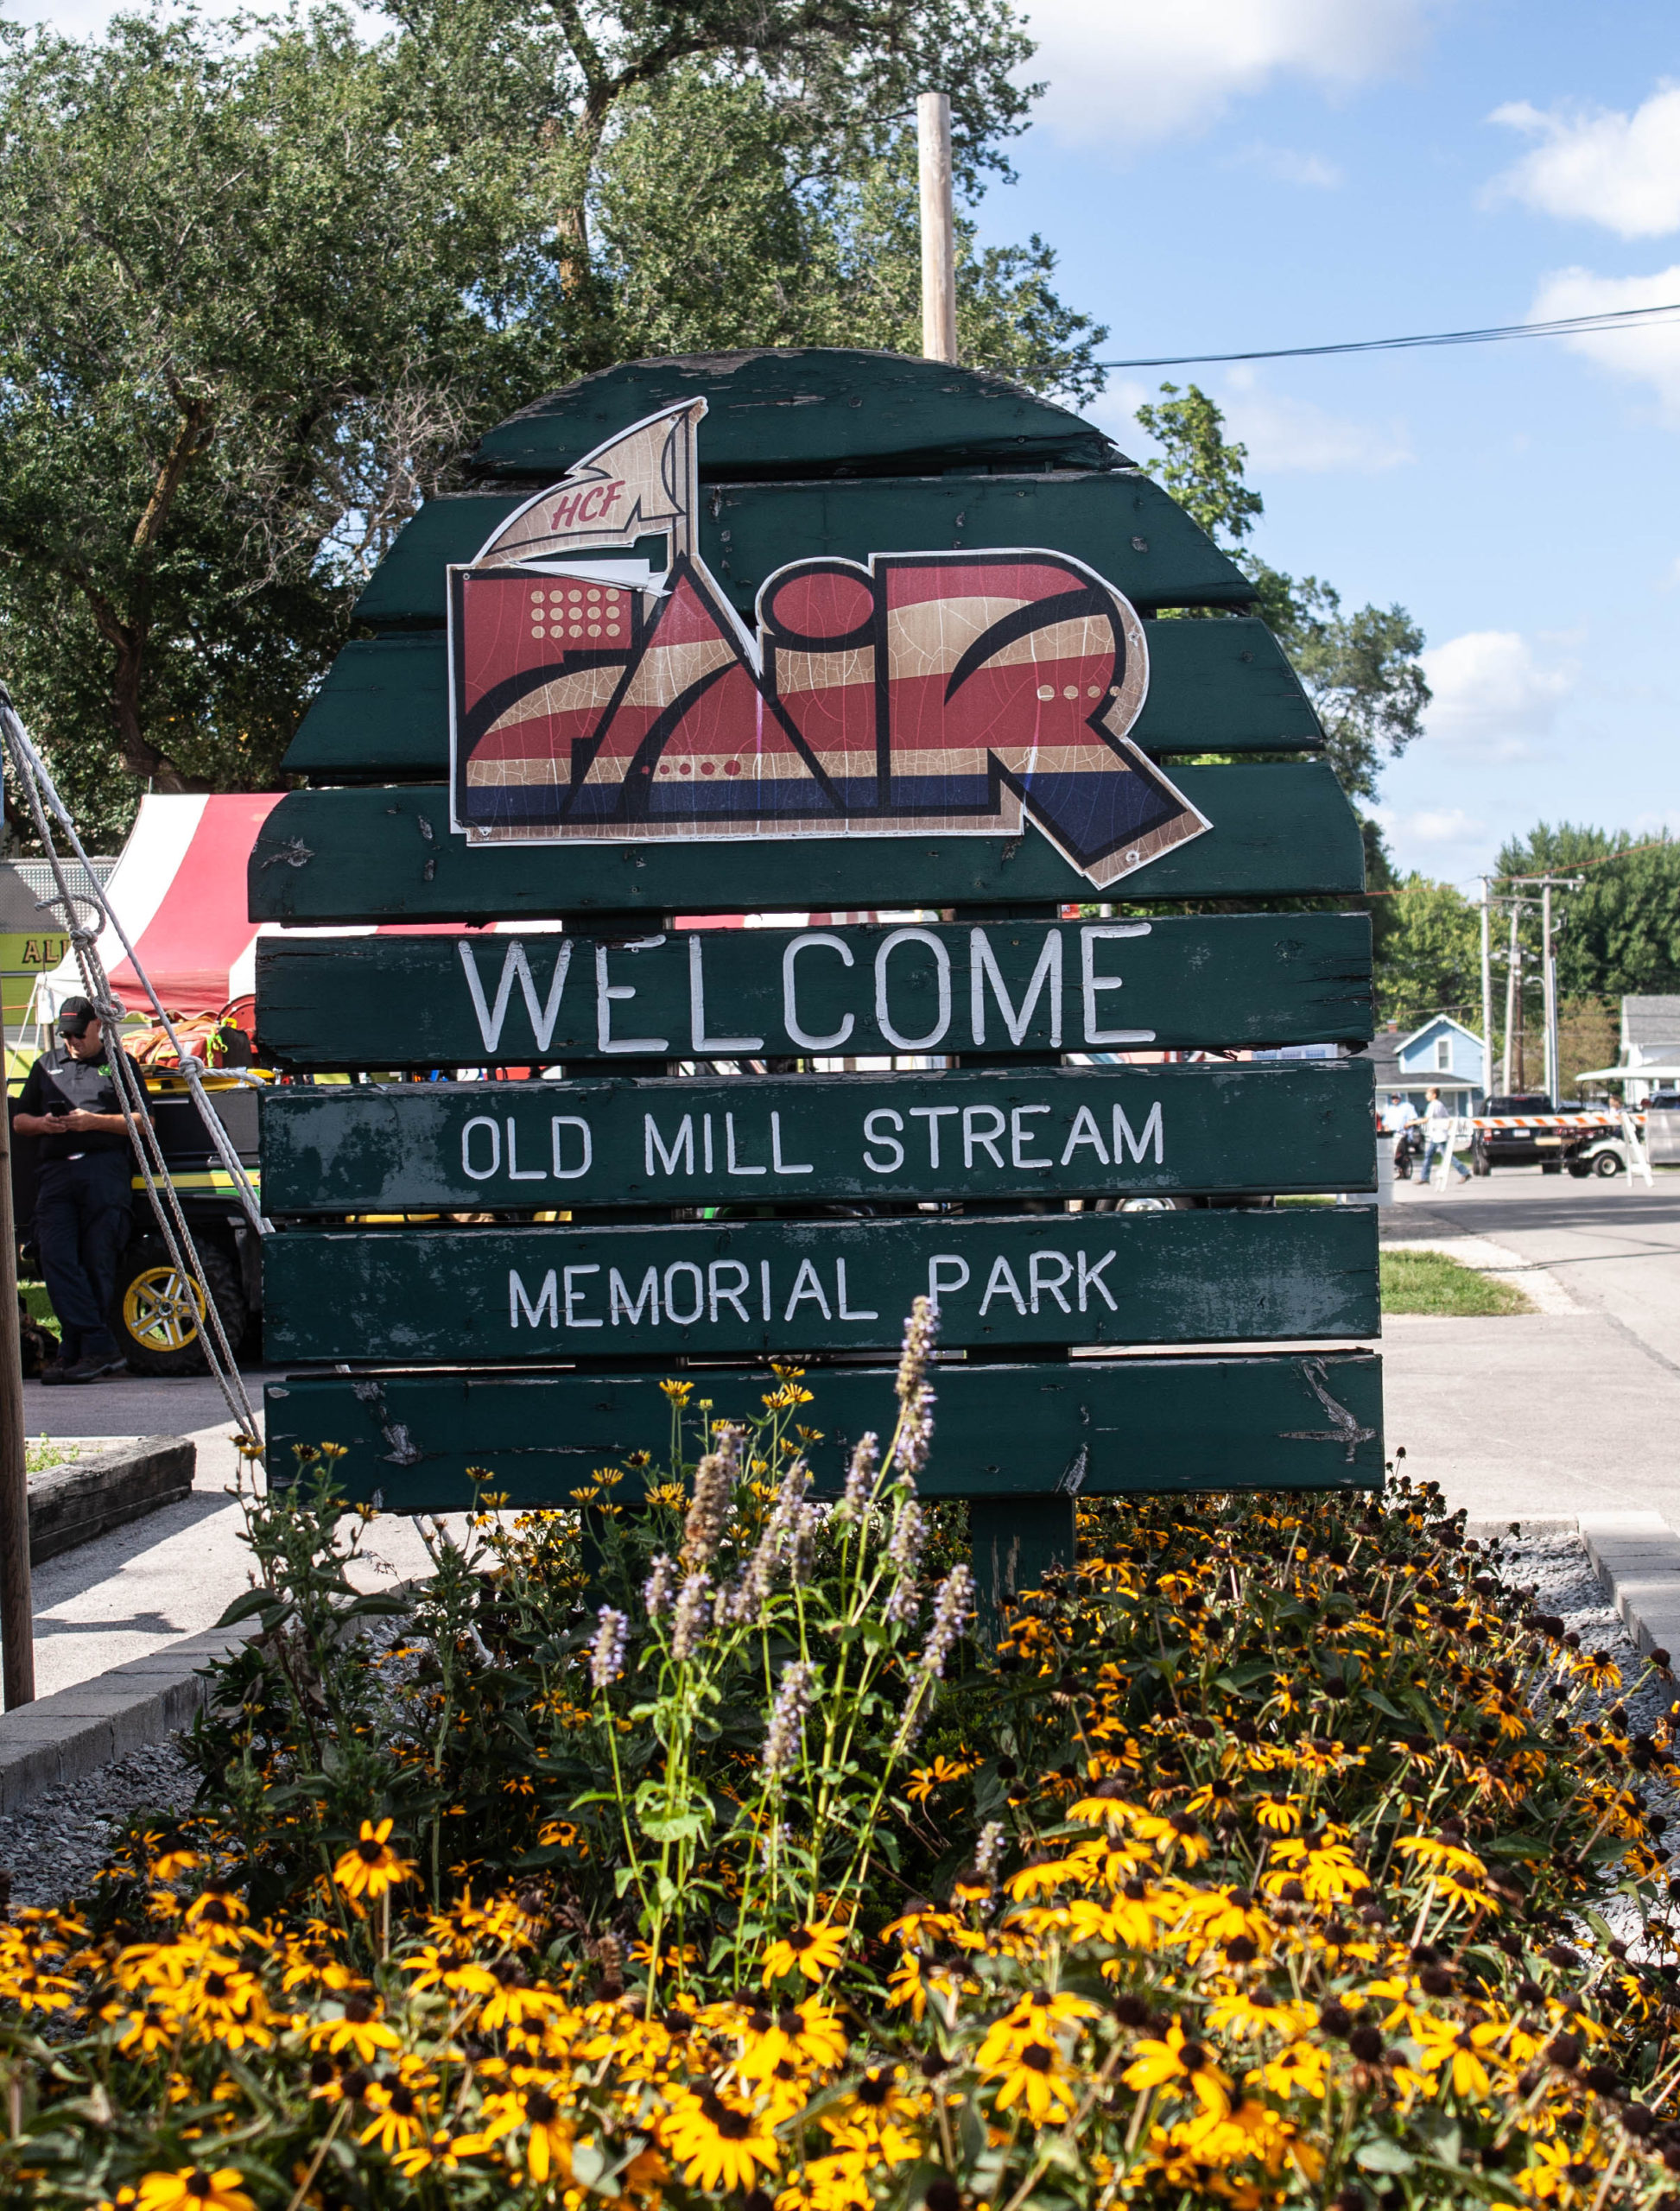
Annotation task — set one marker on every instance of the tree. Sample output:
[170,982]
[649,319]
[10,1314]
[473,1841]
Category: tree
[1429,958]
[258,290]
[1360,670]
[1619,934]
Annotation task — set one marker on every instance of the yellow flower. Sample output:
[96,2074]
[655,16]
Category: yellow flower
[356,2031]
[1033,2075]
[678,1392]
[398,2123]
[814,1949]
[1176,2060]
[720,2145]
[1300,2069]
[1445,2043]
[192,2188]
[369,1867]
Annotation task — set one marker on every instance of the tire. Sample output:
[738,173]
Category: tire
[1607,1163]
[155,1318]
[1156,1205]
[1579,1173]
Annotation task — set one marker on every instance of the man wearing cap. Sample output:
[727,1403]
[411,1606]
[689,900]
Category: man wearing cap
[83,1212]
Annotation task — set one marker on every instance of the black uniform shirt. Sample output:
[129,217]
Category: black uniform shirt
[56,1080]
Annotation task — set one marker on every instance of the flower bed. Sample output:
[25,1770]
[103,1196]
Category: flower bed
[1277,1854]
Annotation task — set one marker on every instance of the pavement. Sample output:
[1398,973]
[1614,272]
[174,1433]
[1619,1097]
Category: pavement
[1571,1411]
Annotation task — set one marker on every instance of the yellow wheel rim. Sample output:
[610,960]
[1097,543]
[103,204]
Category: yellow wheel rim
[162,1309]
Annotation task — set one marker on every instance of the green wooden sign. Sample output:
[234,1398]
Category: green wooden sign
[1179,983]
[1091,1427]
[735,1289]
[1114,1132]
[1215,686]
[348,856]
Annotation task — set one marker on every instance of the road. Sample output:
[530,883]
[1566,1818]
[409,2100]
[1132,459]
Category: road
[1554,1412]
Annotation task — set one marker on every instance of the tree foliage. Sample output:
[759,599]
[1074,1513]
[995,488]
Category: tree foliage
[258,288]
[1361,669]
[1619,934]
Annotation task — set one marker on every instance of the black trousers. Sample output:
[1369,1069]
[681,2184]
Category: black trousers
[83,1215]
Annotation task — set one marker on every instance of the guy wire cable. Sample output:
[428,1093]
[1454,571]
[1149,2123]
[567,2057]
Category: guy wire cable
[130,1088]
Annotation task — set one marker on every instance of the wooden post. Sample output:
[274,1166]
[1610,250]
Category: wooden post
[1486,990]
[17,1649]
[939,272]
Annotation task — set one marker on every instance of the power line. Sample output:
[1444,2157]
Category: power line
[1563,327]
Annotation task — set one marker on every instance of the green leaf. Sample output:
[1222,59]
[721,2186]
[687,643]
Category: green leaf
[255,1601]
[1383,2156]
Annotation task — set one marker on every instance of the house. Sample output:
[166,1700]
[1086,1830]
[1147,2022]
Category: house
[1650,1037]
[1443,1054]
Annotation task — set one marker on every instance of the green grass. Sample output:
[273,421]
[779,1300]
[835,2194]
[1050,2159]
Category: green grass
[1428,1281]
[40,1306]
[44,1452]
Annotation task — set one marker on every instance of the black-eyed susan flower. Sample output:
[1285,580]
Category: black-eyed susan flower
[192,2188]
[814,1949]
[370,1866]
[1174,2061]
[720,2144]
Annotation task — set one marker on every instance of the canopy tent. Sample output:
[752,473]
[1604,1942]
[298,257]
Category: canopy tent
[179,887]
[1656,1071]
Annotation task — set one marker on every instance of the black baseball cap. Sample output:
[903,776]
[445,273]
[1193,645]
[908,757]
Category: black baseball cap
[74,1015]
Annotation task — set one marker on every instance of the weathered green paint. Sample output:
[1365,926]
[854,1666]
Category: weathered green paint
[1125,527]
[1101,1427]
[1281,829]
[748,1141]
[738,1288]
[1183,983]
[776,410]
[1214,687]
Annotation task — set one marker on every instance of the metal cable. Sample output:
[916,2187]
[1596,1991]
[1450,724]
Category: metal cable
[32,775]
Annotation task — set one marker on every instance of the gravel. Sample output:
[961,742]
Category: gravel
[55,1845]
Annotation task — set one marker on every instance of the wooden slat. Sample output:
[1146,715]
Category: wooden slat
[1220,686]
[1281,829]
[1103,1426]
[452,1147]
[1124,526]
[776,410]
[1186,983]
[743,1288]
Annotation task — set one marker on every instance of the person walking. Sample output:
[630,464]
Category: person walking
[84,1190]
[1438,1137]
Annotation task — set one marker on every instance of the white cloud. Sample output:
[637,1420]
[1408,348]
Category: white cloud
[1649,354]
[1494,692]
[1122,72]
[1311,171]
[1447,824]
[1292,436]
[1597,166]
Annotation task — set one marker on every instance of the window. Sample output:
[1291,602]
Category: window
[1443,1054]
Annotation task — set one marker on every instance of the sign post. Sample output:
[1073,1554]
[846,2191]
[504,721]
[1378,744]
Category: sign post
[786,638]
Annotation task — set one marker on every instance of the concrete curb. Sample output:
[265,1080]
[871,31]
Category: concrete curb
[64,1736]
[86,1496]
[1636,1556]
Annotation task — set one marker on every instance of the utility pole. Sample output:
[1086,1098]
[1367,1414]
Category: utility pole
[1486,988]
[1548,991]
[18,1648]
[938,270]
[1514,997]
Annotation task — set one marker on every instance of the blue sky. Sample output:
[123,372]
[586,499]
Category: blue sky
[1226,173]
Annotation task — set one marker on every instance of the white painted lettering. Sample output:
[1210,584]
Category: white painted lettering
[1039,1276]
[546,1300]
[785,1166]
[933,1115]
[481,1174]
[939,1281]
[942,980]
[1090,1278]
[1003,1285]
[515,1172]
[724,1292]
[763,1284]
[733,1165]
[706,1137]
[1093,984]
[571,1121]
[618,1298]
[607,993]
[516,967]
[841,1307]
[684,1267]
[976,1137]
[1084,1131]
[682,1145]
[806,1286]
[1047,975]
[883,1137]
[573,1318]
[790,989]
[1138,1145]
[1020,1136]
[701,1041]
